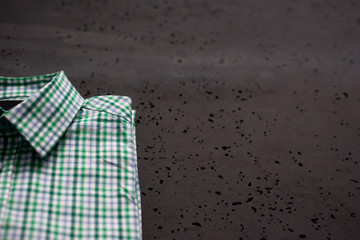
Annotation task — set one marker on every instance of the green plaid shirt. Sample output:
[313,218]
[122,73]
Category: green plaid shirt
[68,165]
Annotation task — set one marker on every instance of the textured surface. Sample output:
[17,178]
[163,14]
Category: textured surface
[247,121]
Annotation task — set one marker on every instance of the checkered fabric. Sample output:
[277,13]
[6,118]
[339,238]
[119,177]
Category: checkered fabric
[68,165]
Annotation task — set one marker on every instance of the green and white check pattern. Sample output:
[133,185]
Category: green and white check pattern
[68,165]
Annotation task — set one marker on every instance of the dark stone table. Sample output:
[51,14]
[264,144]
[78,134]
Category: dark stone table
[247,111]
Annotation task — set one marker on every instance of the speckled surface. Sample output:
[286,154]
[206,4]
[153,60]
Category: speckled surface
[247,111]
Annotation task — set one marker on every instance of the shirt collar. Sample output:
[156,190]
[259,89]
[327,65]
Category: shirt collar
[50,103]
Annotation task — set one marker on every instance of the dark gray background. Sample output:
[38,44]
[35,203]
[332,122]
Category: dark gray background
[247,111]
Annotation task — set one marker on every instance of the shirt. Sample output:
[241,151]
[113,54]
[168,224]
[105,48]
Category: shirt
[68,165]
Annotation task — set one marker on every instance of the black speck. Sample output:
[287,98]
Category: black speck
[314,220]
[196,224]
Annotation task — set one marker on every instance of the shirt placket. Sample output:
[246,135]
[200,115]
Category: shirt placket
[9,146]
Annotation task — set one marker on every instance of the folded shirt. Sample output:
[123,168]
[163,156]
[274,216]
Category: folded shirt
[68,165]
